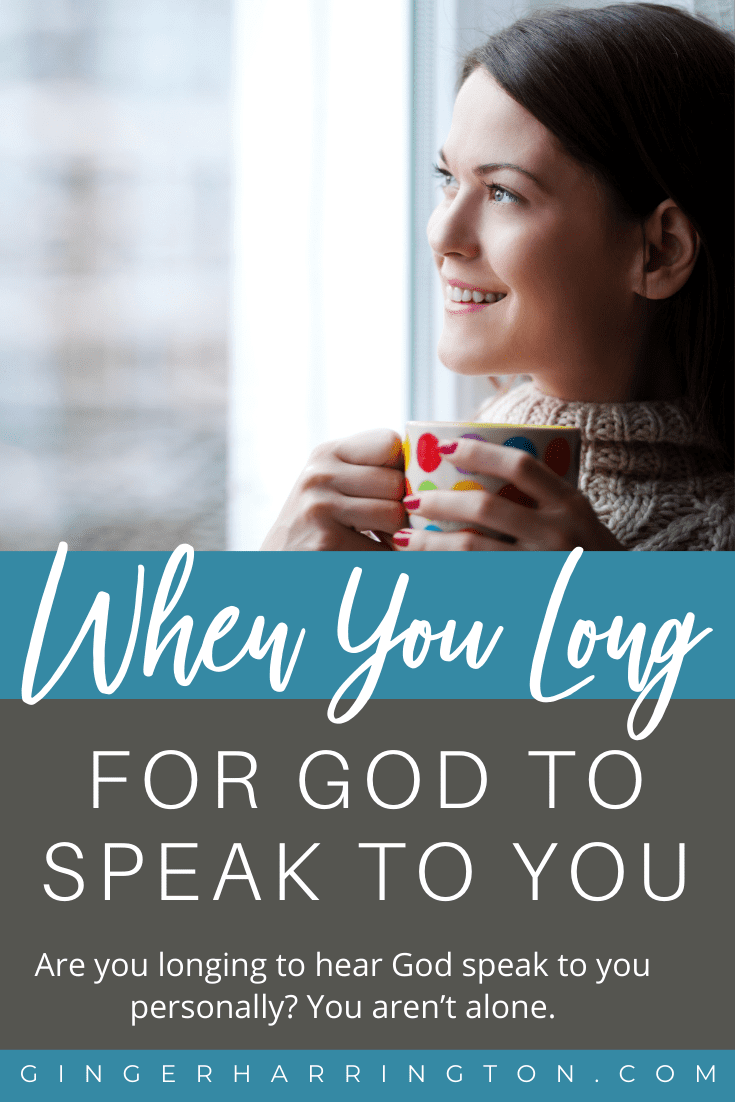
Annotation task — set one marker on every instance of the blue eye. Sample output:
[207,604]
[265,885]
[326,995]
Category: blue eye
[445,178]
[499,194]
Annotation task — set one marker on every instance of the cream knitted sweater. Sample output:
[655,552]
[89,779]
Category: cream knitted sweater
[651,478]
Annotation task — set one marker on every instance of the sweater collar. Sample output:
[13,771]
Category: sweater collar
[669,421]
[621,440]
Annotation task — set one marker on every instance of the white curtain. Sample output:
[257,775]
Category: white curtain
[321,289]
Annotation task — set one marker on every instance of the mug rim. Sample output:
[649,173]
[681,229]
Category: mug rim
[495,425]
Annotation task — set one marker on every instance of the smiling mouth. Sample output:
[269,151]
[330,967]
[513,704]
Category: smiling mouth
[467,296]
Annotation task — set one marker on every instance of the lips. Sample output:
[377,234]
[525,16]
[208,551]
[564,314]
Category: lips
[466,286]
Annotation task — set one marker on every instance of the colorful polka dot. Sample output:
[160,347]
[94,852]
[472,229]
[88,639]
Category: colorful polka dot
[426,485]
[558,455]
[409,491]
[427,452]
[467,484]
[470,436]
[432,528]
[406,453]
[521,442]
[512,493]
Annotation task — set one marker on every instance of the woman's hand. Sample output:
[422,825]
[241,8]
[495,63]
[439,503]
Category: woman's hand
[556,518]
[347,488]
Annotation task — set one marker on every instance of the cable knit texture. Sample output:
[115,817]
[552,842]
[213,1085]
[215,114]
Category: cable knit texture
[654,481]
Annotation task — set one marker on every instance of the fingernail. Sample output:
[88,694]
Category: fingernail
[412,502]
[448,449]
[400,541]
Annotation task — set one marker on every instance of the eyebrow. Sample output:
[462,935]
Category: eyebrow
[481,170]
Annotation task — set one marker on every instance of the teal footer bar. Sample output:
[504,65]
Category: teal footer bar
[594,1075]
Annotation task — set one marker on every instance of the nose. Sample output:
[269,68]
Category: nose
[452,228]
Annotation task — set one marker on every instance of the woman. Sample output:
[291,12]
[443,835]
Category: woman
[588,217]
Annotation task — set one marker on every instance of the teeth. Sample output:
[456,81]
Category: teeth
[456,294]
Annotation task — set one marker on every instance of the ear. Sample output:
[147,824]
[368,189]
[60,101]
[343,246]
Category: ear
[671,249]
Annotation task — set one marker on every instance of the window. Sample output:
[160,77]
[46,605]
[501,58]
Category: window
[321,299]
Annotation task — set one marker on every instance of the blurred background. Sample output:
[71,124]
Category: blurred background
[115,247]
[212,252]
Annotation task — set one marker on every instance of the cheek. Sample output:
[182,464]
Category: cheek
[522,253]
[555,262]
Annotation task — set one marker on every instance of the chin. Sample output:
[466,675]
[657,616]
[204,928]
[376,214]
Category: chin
[465,360]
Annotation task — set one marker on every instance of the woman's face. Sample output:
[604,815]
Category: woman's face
[523,220]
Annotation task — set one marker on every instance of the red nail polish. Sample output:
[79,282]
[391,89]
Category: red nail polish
[401,541]
[448,449]
[412,503]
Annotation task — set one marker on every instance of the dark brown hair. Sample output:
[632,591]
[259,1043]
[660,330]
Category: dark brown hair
[643,95]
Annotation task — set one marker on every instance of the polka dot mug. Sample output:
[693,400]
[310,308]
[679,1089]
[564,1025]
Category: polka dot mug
[427,469]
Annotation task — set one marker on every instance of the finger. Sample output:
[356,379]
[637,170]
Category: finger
[359,541]
[327,473]
[385,538]
[513,464]
[292,535]
[347,539]
[372,482]
[413,539]
[479,508]
[367,513]
[376,448]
